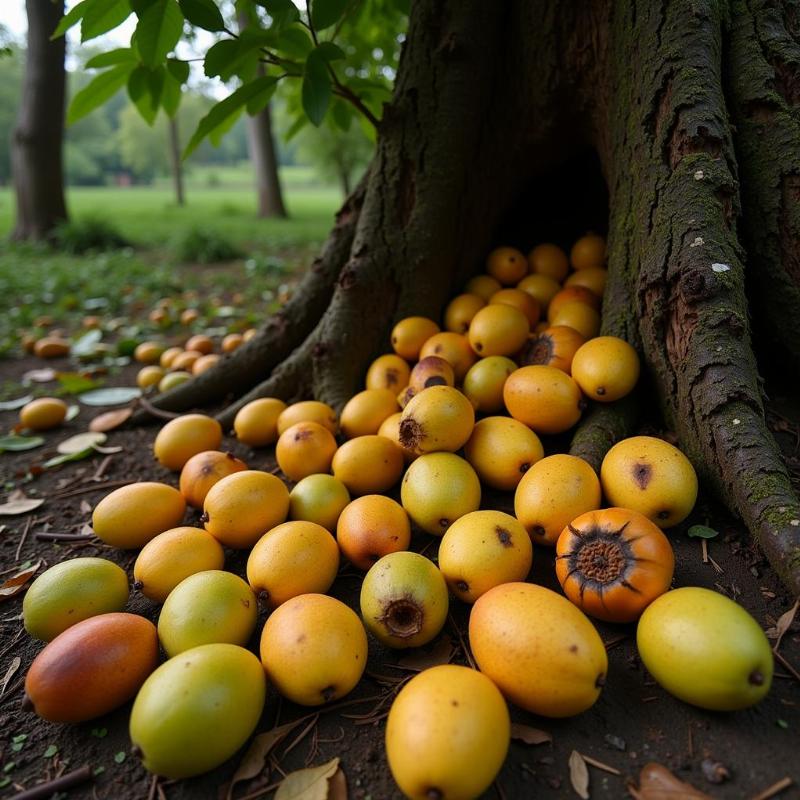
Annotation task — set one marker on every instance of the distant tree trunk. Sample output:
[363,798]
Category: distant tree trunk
[37,154]
[176,164]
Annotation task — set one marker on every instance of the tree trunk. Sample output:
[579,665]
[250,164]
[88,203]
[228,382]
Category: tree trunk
[488,97]
[175,160]
[37,160]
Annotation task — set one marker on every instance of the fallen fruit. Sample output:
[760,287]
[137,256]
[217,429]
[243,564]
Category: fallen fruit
[460,311]
[304,449]
[388,372]
[363,413]
[410,334]
[204,470]
[546,399]
[549,260]
[371,527]
[483,384]
[256,424]
[43,413]
[51,347]
[368,464]
[454,348]
[308,411]
[588,252]
[438,418]
[606,368]
[498,330]
[186,436]
[320,499]
[507,265]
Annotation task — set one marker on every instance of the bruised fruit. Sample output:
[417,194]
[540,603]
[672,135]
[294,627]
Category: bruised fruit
[206,608]
[541,288]
[239,509]
[404,600]
[388,372]
[148,353]
[549,260]
[507,265]
[132,515]
[437,489]
[363,413]
[705,649]
[481,550]
[501,450]
[256,424]
[308,411]
[498,330]
[185,436]
[580,316]
[460,311]
[652,477]
[613,563]
[606,368]
[304,449]
[553,347]
[292,559]
[483,384]
[172,556]
[390,429]
[318,498]
[436,419]
[203,470]
[410,334]
[541,651]
[447,734]
[544,398]
[371,527]
[70,592]
[521,300]
[454,348]
[483,285]
[430,371]
[368,464]
[149,376]
[588,252]
[92,667]
[314,649]
[552,493]
[43,413]
[196,710]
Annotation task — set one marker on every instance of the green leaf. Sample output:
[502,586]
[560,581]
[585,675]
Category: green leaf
[282,12]
[325,13]
[295,42]
[144,88]
[258,103]
[50,752]
[316,88]
[202,14]
[113,396]
[219,56]
[218,134]
[56,461]
[171,95]
[178,69]
[87,344]
[330,51]
[120,56]
[18,402]
[75,383]
[102,88]
[342,115]
[71,18]
[296,127]
[17,444]
[159,28]
[222,111]
[702,532]
[119,757]
[102,16]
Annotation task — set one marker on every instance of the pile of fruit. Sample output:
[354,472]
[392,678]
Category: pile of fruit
[448,730]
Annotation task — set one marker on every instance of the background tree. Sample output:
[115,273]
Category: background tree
[692,112]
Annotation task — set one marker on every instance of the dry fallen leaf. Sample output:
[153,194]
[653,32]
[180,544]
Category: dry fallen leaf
[38,376]
[20,505]
[110,420]
[337,787]
[308,784]
[524,733]
[579,775]
[16,583]
[783,624]
[10,674]
[658,783]
[420,660]
[80,442]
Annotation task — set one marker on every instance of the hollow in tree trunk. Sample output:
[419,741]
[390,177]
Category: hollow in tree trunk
[691,110]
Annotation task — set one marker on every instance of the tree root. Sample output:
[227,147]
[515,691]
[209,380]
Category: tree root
[603,427]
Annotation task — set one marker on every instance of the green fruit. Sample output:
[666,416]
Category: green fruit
[705,649]
[196,710]
[71,592]
[208,607]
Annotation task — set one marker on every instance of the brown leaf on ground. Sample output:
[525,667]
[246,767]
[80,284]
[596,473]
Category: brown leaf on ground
[110,420]
[308,784]
[783,624]
[579,775]
[529,735]
[10,672]
[16,583]
[658,783]
[18,503]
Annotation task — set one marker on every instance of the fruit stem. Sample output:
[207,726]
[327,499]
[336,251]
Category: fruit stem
[402,618]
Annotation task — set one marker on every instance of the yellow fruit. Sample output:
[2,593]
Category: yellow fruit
[202,471]
[390,429]
[186,360]
[148,353]
[447,734]
[593,278]
[43,413]
[498,330]
[363,413]
[314,649]
[481,550]
[186,436]
[249,334]
[239,509]
[606,368]
[404,600]
[189,316]
[430,371]
[70,592]
[207,608]
[149,376]
[501,450]
[588,252]
[483,384]
[172,556]
[507,265]
[256,424]
[549,260]
[200,343]
[388,372]
[292,559]
[460,311]
[196,710]
[541,651]
[540,288]
[308,411]
[232,342]
[168,356]
[521,300]
[368,464]
[705,649]
[371,527]
[410,334]
[173,379]
[483,285]
[552,347]
[453,348]
[552,493]
[436,419]
[580,316]
[573,294]
[132,515]
[205,363]
[544,398]
[652,477]
[320,499]
[304,449]
[437,489]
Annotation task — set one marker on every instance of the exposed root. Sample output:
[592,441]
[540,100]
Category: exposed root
[603,427]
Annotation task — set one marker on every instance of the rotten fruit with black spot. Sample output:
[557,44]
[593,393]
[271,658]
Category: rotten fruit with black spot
[439,418]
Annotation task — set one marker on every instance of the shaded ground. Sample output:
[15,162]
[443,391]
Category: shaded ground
[633,723]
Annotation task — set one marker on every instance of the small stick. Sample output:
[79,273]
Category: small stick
[704,545]
[96,488]
[151,795]
[101,469]
[156,412]
[49,788]
[615,641]
[776,788]
[786,665]
[64,537]
[600,765]
[24,536]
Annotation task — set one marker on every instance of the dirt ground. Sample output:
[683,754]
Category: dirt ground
[633,723]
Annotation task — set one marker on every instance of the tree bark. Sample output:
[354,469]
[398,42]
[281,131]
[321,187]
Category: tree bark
[176,162]
[37,160]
